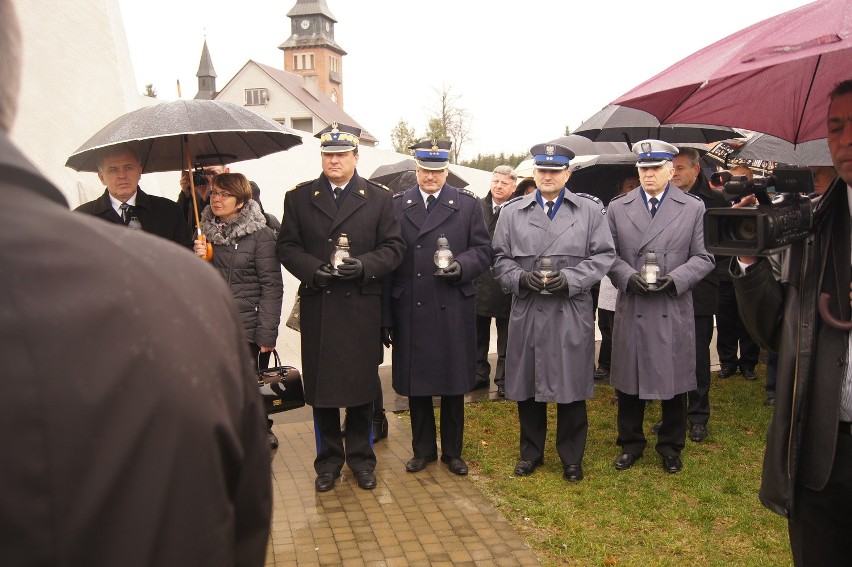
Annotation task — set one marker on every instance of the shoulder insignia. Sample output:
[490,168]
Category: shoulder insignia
[617,197]
[696,197]
[371,182]
[513,200]
[467,192]
[594,200]
[398,195]
[302,184]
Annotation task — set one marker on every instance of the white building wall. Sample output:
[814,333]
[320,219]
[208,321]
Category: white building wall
[281,106]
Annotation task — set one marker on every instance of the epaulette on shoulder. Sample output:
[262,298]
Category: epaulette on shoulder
[379,185]
[468,192]
[398,195]
[617,197]
[590,197]
[302,184]
[696,197]
[513,199]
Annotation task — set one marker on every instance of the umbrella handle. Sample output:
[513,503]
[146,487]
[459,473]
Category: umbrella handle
[208,255]
[192,185]
[828,318]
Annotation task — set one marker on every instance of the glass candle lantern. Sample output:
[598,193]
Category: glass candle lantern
[341,251]
[650,269]
[443,255]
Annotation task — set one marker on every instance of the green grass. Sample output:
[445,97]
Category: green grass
[708,514]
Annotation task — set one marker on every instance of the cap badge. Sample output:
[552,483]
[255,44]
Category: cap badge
[549,150]
[646,147]
[334,128]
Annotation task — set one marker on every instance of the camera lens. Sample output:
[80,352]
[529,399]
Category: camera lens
[199,178]
[740,229]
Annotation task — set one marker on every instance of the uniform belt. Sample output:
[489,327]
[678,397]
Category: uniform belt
[845,427]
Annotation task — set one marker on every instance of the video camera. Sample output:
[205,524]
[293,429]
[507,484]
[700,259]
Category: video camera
[200,177]
[771,225]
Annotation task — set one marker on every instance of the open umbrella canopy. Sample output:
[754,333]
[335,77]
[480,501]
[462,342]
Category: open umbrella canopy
[216,132]
[772,77]
[393,176]
[616,123]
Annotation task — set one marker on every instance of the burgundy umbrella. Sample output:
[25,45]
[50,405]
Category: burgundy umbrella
[772,77]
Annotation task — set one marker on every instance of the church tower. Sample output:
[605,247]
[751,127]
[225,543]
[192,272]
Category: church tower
[206,76]
[311,51]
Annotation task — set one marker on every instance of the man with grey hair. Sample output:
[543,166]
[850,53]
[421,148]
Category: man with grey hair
[491,301]
[119,169]
[129,419]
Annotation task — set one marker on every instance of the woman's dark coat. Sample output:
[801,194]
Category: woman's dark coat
[244,253]
[491,301]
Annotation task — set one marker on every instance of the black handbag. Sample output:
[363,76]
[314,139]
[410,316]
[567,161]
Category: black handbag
[280,387]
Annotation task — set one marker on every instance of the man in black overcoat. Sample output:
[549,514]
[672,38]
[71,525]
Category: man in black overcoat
[124,202]
[340,304]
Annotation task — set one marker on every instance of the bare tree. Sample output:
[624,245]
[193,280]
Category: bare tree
[150,90]
[450,121]
[403,136]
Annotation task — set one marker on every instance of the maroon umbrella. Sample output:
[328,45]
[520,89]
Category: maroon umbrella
[772,77]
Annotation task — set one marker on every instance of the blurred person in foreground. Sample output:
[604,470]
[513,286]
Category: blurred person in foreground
[807,467]
[654,321]
[552,308]
[130,421]
[491,301]
[341,330]
[244,253]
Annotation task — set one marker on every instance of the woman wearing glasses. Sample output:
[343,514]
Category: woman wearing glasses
[244,253]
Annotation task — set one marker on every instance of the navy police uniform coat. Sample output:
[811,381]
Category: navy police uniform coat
[551,350]
[434,320]
[655,335]
[341,324]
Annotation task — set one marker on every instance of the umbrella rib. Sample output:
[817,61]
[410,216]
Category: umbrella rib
[679,104]
[807,98]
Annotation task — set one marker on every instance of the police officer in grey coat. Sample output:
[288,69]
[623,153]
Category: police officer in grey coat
[654,321]
[429,313]
[551,355]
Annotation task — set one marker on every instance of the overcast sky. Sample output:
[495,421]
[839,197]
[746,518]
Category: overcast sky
[523,70]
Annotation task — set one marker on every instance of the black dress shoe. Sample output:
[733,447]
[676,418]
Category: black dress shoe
[727,370]
[601,373]
[456,465]
[672,464]
[417,464]
[501,391]
[572,473]
[748,373]
[526,468]
[625,461]
[325,481]
[655,429]
[480,384]
[366,479]
[380,426]
[271,439]
[698,432]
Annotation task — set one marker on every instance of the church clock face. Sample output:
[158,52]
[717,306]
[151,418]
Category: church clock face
[306,24]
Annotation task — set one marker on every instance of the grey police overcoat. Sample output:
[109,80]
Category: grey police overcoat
[653,339]
[550,356]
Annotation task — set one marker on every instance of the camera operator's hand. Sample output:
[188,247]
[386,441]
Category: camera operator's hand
[387,336]
[557,283]
[323,276]
[452,273]
[746,201]
[531,281]
[665,284]
[637,286]
[350,269]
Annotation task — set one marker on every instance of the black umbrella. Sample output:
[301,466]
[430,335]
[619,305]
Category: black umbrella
[621,124]
[395,177]
[602,175]
[766,147]
[176,135]
[583,146]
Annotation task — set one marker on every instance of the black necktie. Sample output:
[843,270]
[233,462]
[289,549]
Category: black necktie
[430,200]
[654,202]
[125,215]
[337,192]
[549,209]
[496,209]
